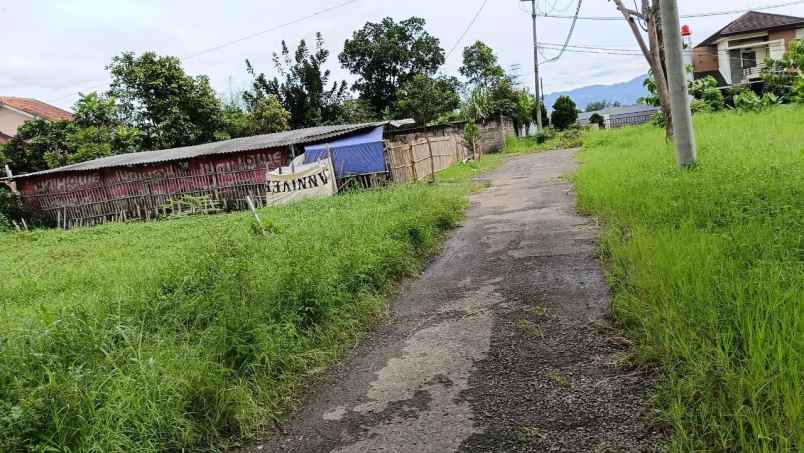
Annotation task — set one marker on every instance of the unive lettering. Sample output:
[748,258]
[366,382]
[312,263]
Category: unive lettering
[307,182]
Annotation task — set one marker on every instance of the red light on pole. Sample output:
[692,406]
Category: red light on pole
[685,30]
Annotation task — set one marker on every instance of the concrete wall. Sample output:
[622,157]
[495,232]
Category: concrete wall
[10,120]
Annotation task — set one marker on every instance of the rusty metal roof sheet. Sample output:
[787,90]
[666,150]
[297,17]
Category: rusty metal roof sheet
[280,139]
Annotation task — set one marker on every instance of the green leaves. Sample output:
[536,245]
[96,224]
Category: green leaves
[157,97]
[565,113]
[388,54]
[424,98]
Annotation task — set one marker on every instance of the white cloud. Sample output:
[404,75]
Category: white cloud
[53,47]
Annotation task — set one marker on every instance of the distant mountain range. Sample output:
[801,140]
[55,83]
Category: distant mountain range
[625,93]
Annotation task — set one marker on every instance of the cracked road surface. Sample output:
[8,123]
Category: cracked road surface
[501,345]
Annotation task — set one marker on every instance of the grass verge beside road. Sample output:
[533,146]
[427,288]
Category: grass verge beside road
[707,268]
[189,333]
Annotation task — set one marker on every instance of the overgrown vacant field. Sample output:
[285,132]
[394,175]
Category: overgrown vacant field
[191,333]
[708,271]
[185,333]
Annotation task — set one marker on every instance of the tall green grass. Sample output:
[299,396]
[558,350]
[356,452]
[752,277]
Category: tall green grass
[707,267]
[187,334]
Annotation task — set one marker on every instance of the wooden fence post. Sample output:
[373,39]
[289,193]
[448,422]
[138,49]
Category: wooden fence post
[432,160]
[412,162]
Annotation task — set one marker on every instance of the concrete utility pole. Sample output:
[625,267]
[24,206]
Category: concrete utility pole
[536,63]
[677,80]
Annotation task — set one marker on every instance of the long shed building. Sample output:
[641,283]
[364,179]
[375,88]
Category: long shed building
[144,185]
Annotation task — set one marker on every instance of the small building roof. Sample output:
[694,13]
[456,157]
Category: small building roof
[621,110]
[753,21]
[280,139]
[36,108]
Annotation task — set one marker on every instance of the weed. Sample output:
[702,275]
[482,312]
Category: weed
[559,379]
[530,329]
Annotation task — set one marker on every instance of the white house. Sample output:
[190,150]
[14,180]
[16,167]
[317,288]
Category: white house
[736,54]
[14,112]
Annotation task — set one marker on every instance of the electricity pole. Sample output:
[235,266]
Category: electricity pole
[677,81]
[536,64]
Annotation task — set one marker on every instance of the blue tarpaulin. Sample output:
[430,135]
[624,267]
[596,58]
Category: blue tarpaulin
[359,154]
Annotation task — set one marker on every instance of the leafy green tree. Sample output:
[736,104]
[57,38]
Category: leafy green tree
[597,106]
[565,113]
[424,98]
[236,122]
[355,111]
[387,55]
[157,97]
[596,118]
[36,142]
[302,90]
[97,130]
[480,65]
[269,116]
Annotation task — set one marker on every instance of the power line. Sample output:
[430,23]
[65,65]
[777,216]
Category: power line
[578,48]
[685,16]
[268,30]
[468,27]
[232,42]
[569,36]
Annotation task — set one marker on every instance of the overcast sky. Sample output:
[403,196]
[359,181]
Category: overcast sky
[52,49]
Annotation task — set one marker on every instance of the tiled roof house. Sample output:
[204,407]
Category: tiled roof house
[15,111]
[736,54]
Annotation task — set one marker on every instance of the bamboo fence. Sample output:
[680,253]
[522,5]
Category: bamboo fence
[421,160]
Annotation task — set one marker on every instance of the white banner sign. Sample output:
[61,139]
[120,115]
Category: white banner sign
[299,182]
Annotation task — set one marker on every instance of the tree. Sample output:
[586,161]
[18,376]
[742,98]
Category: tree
[649,18]
[597,106]
[386,55]
[480,65]
[269,116]
[424,98]
[355,111]
[34,145]
[597,119]
[302,90]
[157,97]
[783,77]
[565,113]
[97,130]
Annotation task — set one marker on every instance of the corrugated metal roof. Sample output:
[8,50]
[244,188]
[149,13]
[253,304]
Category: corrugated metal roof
[621,110]
[280,139]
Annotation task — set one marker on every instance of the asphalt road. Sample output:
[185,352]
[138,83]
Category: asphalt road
[503,344]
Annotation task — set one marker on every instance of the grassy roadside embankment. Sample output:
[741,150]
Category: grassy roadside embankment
[189,333]
[707,268]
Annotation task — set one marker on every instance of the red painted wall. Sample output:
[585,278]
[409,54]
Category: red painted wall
[90,194]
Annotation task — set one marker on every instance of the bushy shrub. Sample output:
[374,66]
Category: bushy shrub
[748,101]
[545,135]
[596,118]
[571,138]
[706,90]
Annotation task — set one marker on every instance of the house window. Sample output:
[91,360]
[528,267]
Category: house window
[749,59]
